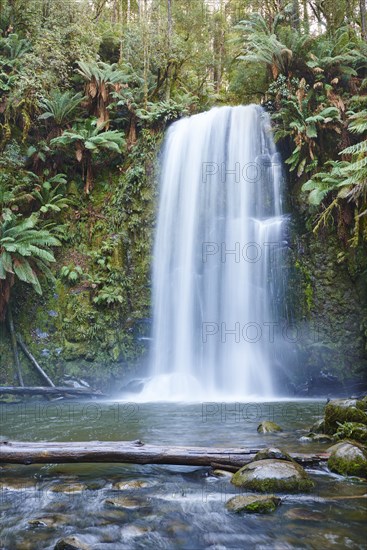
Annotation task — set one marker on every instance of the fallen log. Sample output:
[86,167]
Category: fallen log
[133,452]
[48,391]
[35,363]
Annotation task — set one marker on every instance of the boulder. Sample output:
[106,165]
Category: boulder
[268,427]
[273,475]
[253,504]
[71,543]
[343,410]
[348,458]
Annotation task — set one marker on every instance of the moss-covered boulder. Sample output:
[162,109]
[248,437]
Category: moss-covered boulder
[272,452]
[273,476]
[348,458]
[253,504]
[268,427]
[343,410]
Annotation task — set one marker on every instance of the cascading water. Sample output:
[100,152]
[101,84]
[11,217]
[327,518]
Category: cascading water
[216,269]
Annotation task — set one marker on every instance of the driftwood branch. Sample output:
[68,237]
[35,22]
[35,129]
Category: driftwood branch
[37,366]
[133,452]
[54,391]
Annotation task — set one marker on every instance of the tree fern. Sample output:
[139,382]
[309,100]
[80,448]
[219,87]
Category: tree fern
[25,252]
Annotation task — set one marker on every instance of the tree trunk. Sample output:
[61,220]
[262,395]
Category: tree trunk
[306,19]
[362,7]
[131,452]
[55,391]
[14,346]
[33,361]
[295,15]
[89,174]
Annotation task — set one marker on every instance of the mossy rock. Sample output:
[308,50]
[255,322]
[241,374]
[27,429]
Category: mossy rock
[273,476]
[253,504]
[342,410]
[348,458]
[268,427]
[272,452]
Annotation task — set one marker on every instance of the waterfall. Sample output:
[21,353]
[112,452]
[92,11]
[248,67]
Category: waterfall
[216,265]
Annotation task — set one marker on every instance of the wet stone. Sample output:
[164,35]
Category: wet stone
[303,514]
[253,504]
[267,426]
[273,475]
[71,543]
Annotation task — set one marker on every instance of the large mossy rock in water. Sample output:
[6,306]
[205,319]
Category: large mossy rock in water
[268,427]
[273,475]
[339,411]
[348,458]
[253,504]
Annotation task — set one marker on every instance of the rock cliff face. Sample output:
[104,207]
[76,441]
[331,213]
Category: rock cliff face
[328,295]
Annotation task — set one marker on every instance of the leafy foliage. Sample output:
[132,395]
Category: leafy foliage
[24,253]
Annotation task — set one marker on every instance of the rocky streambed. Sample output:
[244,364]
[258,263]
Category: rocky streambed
[270,503]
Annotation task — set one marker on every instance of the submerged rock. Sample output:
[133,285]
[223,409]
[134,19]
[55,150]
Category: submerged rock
[124,502]
[267,426]
[68,488]
[343,410]
[348,458]
[273,475]
[71,543]
[303,514]
[132,484]
[316,438]
[253,504]
[55,520]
